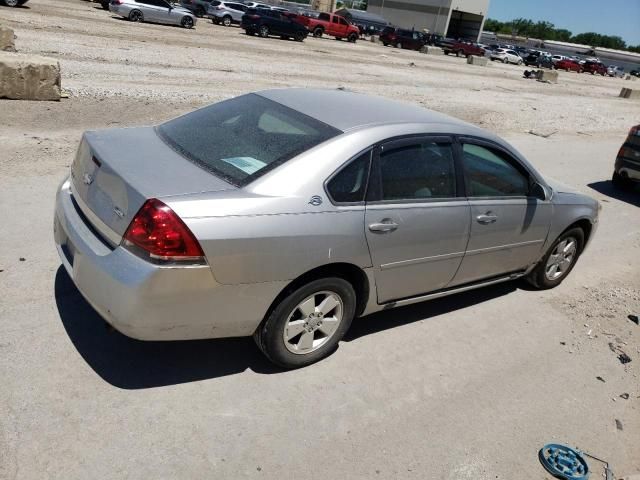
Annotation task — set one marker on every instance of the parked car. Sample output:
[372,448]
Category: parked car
[226,13]
[155,11]
[462,49]
[568,65]
[538,59]
[594,67]
[246,218]
[330,24]
[615,71]
[557,58]
[257,5]
[401,38]
[506,56]
[13,3]
[270,22]
[198,7]
[627,167]
[635,73]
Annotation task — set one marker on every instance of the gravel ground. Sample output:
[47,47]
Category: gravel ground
[466,387]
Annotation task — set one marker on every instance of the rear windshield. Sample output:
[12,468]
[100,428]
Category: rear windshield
[245,137]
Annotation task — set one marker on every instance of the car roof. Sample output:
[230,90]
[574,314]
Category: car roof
[346,110]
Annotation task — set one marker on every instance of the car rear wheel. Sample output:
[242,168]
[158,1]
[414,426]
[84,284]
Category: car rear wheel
[519,62]
[352,37]
[317,33]
[620,182]
[11,3]
[226,21]
[558,261]
[263,31]
[187,22]
[460,53]
[505,60]
[136,16]
[298,36]
[308,323]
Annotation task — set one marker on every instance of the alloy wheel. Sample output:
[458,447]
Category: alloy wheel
[264,31]
[313,322]
[561,258]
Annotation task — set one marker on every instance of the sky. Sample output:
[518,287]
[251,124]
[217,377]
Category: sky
[608,17]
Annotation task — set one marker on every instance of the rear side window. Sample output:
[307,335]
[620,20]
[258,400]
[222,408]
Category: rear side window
[243,138]
[424,170]
[350,184]
[324,16]
[490,173]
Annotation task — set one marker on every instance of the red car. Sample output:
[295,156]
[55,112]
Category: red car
[594,67]
[330,24]
[569,65]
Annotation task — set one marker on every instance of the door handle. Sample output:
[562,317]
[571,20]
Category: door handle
[383,227]
[487,218]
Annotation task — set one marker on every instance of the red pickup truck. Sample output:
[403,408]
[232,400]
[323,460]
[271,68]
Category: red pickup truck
[330,24]
[461,48]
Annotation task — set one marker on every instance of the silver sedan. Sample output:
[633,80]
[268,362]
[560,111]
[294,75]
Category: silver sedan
[284,214]
[156,11]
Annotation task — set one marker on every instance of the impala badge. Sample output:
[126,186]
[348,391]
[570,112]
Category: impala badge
[87,179]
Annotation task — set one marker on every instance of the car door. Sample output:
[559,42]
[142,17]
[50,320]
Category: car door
[509,225]
[415,224]
[237,10]
[149,10]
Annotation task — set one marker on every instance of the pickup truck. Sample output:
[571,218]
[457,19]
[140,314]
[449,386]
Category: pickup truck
[330,24]
[461,48]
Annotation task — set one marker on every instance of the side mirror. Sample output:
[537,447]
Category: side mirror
[540,192]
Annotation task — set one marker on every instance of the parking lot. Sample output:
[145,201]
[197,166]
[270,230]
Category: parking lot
[465,387]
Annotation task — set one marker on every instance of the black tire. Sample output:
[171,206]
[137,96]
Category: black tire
[538,277]
[187,22]
[263,31]
[105,4]
[620,182]
[227,21]
[505,60]
[136,16]
[269,335]
[298,36]
[385,44]
[317,32]
[353,37]
[446,52]
[250,32]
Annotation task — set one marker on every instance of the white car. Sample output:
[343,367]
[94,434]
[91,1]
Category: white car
[615,71]
[257,5]
[557,58]
[506,56]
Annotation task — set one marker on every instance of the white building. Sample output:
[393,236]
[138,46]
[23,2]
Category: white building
[451,18]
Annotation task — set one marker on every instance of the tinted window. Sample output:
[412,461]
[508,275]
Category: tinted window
[324,16]
[242,138]
[335,20]
[424,170]
[343,21]
[489,173]
[350,184]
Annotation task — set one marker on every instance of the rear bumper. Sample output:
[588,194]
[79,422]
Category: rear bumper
[631,168]
[148,301]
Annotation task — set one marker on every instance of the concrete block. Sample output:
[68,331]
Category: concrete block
[473,60]
[29,77]
[549,76]
[431,50]
[630,93]
[374,39]
[7,43]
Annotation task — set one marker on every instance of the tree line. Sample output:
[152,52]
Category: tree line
[548,31]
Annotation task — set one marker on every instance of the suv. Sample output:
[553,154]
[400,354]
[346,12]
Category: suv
[330,24]
[594,67]
[627,167]
[463,49]
[271,22]
[506,56]
[615,71]
[198,7]
[226,13]
[400,38]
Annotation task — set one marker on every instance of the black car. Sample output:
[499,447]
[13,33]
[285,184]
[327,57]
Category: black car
[400,38]
[272,22]
[626,171]
[537,59]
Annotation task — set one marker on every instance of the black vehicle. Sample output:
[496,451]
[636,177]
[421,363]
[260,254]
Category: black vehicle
[197,7]
[105,4]
[538,59]
[271,22]
[626,171]
[635,73]
[400,38]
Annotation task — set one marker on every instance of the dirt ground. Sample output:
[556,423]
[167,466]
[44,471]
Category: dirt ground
[466,387]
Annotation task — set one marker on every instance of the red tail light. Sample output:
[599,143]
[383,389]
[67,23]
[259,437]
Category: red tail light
[158,232]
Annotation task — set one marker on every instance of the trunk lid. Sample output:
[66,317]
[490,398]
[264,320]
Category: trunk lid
[115,171]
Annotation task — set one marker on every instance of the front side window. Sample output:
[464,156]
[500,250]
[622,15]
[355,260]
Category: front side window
[324,16]
[242,138]
[490,173]
[424,170]
[350,184]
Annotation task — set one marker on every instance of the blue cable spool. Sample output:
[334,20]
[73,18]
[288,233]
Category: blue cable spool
[564,462]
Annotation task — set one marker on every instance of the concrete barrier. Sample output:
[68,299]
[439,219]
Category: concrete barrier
[29,77]
[474,60]
[374,39]
[548,76]
[429,50]
[7,43]
[630,93]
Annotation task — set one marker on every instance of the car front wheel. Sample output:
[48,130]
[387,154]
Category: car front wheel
[187,22]
[307,324]
[558,261]
[263,31]
[226,21]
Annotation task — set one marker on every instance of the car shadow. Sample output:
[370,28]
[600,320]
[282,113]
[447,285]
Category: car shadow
[133,364]
[605,187]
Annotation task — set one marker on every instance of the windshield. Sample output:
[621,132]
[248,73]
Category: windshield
[243,138]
